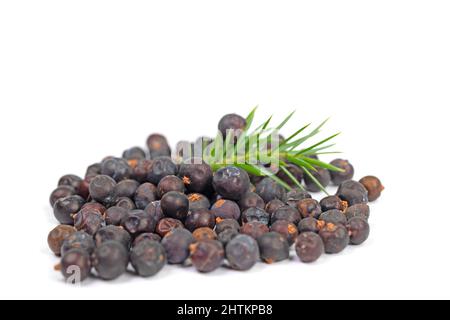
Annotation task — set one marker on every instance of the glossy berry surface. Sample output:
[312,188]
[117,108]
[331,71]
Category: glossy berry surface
[198,201]
[175,205]
[255,214]
[197,177]
[160,168]
[116,168]
[353,192]
[335,238]
[207,255]
[148,258]
[170,183]
[338,177]
[226,209]
[102,189]
[250,200]
[273,247]
[333,202]
[373,186]
[242,253]
[65,208]
[309,208]
[200,219]
[76,265]
[61,192]
[57,236]
[286,229]
[176,244]
[231,182]
[309,247]
[359,230]
[110,260]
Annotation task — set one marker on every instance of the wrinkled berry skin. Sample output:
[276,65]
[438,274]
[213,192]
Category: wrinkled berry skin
[231,182]
[373,186]
[274,205]
[226,209]
[293,197]
[255,214]
[207,255]
[177,243]
[145,237]
[204,234]
[333,216]
[309,247]
[310,224]
[137,222]
[65,208]
[102,189]
[125,203]
[142,169]
[166,225]
[224,224]
[175,205]
[170,183]
[322,175]
[360,210]
[158,146]
[160,168]
[227,235]
[335,238]
[286,229]
[70,180]
[269,190]
[154,210]
[76,263]
[78,240]
[89,221]
[113,233]
[93,171]
[353,192]
[231,122]
[358,230]
[114,215]
[196,177]
[57,236]
[250,200]
[338,177]
[148,258]
[126,188]
[200,219]
[135,153]
[145,194]
[242,253]
[309,208]
[273,247]
[110,260]
[333,203]
[286,213]
[116,168]
[254,229]
[61,192]
[198,201]
[295,171]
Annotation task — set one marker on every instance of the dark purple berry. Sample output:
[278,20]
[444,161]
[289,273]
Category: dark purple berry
[293,197]
[338,177]
[94,206]
[89,221]
[148,258]
[242,252]
[146,236]
[287,213]
[373,186]
[309,208]
[114,215]
[224,224]
[110,260]
[125,203]
[199,219]
[309,247]
[321,175]
[335,238]
[61,192]
[93,171]
[359,230]
[286,229]
[204,234]
[137,222]
[126,188]
[250,200]
[145,194]
[333,216]
[113,233]
[135,153]
[360,210]
[274,205]
[158,146]
[198,201]
[231,182]
[177,243]
[226,209]
[160,168]
[232,122]
[70,180]
[78,240]
[102,189]
[116,168]
[142,169]
[175,205]
[310,224]
[227,235]
[154,210]
[57,236]
[273,247]
[65,208]
[255,214]
[76,265]
[207,255]
[170,183]
[295,171]
[197,177]
[166,225]
[353,192]
[333,203]
[268,189]
[254,229]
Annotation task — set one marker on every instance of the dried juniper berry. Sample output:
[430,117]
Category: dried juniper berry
[94,206]
[113,233]
[359,230]
[255,214]
[126,188]
[125,203]
[232,122]
[89,221]
[231,182]
[254,229]
[224,224]
[145,237]
[134,153]
[296,195]
[145,194]
[309,247]
[93,171]
[70,180]
[154,210]
[204,234]
[273,247]
[78,240]
[321,175]
[353,192]
[333,202]
[333,216]
[57,236]
[274,205]
[348,171]
[137,222]
[76,265]
[170,183]
[335,238]
[207,255]
[360,210]
[166,225]
[199,219]
[196,175]
[287,213]
[161,167]
[250,200]
[242,252]
[295,171]
[116,168]
[102,189]
[226,209]
[175,205]
[158,146]
[142,169]
[269,189]
[198,201]
[310,224]
[61,192]
[114,215]
[373,186]
[65,208]
[286,229]
[227,235]
[110,260]
[148,258]
[309,208]
[177,243]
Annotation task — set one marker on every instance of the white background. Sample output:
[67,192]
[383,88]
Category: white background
[80,80]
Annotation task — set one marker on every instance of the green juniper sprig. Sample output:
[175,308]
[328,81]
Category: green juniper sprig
[245,152]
